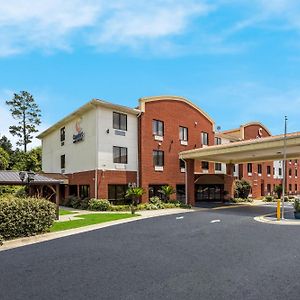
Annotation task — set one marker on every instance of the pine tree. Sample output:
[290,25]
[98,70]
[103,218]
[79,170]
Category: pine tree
[25,110]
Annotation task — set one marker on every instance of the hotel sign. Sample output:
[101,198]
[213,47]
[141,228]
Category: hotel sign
[79,135]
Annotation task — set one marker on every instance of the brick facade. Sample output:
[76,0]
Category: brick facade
[174,114]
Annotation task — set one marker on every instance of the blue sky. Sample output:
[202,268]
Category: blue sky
[237,60]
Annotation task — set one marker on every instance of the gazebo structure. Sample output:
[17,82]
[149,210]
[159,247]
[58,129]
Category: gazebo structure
[257,150]
[41,185]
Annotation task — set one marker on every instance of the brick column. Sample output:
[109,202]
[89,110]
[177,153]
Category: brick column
[190,184]
[229,180]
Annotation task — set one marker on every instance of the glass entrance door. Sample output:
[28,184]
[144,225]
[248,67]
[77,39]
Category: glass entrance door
[209,192]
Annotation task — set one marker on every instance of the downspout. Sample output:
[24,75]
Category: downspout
[138,148]
[186,200]
[97,159]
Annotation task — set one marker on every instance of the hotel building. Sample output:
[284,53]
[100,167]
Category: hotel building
[103,148]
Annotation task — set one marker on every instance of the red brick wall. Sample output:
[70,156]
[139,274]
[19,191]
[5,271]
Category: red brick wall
[104,178]
[174,114]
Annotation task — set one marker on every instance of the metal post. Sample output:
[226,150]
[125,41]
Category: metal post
[284,168]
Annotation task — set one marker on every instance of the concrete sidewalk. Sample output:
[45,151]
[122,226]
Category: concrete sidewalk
[55,235]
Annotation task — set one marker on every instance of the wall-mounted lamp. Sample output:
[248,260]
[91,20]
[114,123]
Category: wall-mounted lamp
[107,131]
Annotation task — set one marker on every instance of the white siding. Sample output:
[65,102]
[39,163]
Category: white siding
[81,156]
[108,139]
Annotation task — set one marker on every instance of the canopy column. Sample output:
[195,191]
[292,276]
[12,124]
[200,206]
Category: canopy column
[190,181]
[229,180]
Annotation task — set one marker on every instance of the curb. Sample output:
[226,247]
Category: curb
[273,221]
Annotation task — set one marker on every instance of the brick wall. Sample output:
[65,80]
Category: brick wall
[174,114]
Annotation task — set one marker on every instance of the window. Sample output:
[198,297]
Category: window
[269,188]
[120,155]
[290,187]
[63,161]
[218,166]
[158,158]
[204,138]
[218,141]
[181,164]
[117,192]
[154,190]
[183,134]
[249,168]
[158,127]
[73,190]
[296,187]
[84,191]
[296,173]
[205,165]
[119,121]
[268,170]
[62,134]
[259,168]
[280,171]
[290,172]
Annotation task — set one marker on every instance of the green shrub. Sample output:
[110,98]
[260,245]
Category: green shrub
[297,205]
[75,202]
[241,200]
[99,204]
[242,188]
[156,202]
[84,203]
[119,207]
[25,216]
[150,206]
[269,199]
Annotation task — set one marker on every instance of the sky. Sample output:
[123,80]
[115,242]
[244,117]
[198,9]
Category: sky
[238,60]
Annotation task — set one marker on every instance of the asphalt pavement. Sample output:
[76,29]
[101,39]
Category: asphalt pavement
[211,254]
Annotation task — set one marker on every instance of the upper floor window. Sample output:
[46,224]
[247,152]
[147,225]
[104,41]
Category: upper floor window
[63,161]
[296,172]
[183,133]
[249,168]
[62,134]
[290,172]
[268,170]
[158,127]
[158,158]
[120,155]
[259,168]
[205,165]
[204,138]
[218,141]
[119,121]
[280,171]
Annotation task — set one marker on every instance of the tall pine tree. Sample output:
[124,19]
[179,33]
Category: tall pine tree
[25,110]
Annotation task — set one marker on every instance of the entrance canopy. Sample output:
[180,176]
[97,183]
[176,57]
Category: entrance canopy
[258,150]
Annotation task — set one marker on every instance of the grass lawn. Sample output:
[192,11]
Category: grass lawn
[63,212]
[89,219]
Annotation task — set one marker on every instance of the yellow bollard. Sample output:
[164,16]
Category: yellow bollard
[278,209]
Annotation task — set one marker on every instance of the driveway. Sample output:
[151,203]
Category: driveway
[211,254]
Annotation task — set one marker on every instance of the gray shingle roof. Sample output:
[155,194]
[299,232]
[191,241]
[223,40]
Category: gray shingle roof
[12,177]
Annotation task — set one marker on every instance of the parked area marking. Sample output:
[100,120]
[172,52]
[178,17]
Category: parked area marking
[215,221]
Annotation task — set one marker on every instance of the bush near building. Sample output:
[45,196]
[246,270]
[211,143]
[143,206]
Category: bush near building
[20,217]
[242,188]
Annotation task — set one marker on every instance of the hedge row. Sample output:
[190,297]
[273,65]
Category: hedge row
[21,217]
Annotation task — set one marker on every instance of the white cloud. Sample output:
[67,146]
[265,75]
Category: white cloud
[53,24]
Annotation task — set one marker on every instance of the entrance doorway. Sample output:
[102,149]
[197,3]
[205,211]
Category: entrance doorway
[209,192]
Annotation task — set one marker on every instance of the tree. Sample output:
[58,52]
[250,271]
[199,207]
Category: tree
[6,144]
[278,190]
[4,159]
[25,110]
[27,161]
[134,193]
[242,188]
[167,191]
